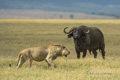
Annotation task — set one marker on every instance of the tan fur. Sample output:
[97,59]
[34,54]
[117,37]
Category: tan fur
[47,53]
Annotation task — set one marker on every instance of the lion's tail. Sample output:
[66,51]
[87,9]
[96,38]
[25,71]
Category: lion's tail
[18,59]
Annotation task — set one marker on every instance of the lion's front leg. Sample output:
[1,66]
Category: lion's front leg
[50,61]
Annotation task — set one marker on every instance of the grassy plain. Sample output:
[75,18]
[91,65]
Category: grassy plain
[17,34]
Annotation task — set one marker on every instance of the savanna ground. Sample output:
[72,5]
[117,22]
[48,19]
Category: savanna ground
[17,34]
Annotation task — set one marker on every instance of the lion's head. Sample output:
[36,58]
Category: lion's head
[65,51]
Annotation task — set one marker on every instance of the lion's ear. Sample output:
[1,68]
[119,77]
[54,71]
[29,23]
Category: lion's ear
[63,47]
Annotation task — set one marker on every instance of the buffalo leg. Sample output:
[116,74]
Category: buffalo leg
[84,53]
[95,53]
[103,53]
[77,52]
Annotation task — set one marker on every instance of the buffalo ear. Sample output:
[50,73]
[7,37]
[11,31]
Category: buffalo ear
[70,35]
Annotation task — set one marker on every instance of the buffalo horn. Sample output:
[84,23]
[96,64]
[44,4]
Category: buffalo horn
[68,31]
[87,31]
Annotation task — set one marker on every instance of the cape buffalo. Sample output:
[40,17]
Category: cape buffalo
[87,38]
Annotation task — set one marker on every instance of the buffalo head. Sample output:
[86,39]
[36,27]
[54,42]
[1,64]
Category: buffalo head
[77,32]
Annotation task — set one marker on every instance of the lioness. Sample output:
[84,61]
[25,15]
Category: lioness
[47,53]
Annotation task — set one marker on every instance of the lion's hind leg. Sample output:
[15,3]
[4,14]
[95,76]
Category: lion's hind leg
[29,62]
[20,61]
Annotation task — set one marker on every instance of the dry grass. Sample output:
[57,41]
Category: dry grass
[89,21]
[17,34]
